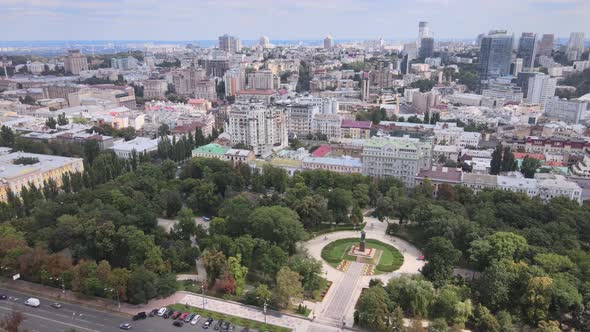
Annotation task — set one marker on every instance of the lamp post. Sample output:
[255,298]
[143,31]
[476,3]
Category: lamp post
[116,293]
[63,284]
[203,293]
[264,307]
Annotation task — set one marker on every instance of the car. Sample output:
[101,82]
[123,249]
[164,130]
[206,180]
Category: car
[168,313]
[175,315]
[125,326]
[33,302]
[162,311]
[56,305]
[206,218]
[183,316]
[195,319]
[246,329]
[153,313]
[178,323]
[3,297]
[140,315]
[207,323]
[227,327]
[217,325]
[421,258]
[188,318]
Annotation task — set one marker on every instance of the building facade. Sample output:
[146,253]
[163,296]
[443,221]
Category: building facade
[495,55]
[75,62]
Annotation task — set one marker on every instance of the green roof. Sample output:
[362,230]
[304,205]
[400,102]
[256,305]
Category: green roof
[211,149]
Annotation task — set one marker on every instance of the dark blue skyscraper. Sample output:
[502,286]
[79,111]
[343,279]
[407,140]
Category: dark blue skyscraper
[527,49]
[495,55]
[426,48]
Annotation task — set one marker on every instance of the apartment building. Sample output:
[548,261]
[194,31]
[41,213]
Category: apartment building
[75,62]
[259,126]
[400,157]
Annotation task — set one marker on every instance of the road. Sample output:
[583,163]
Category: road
[76,318]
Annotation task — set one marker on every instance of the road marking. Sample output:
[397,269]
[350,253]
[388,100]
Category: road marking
[53,320]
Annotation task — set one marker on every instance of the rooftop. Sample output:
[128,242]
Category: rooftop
[9,170]
[211,149]
[346,162]
[356,124]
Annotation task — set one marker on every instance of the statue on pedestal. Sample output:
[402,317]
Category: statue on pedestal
[362,242]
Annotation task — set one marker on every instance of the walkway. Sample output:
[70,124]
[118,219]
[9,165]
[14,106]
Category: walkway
[344,283]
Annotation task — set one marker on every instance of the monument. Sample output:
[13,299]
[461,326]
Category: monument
[362,243]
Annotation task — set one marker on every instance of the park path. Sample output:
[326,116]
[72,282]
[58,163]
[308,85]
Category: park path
[342,283]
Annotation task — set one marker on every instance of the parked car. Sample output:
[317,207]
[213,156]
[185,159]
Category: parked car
[168,313]
[195,319]
[33,302]
[3,297]
[178,323]
[206,218]
[125,326]
[56,305]
[162,311]
[175,315]
[183,316]
[227,327]
[207,323]
[189,318]
[140,315]
[217,325]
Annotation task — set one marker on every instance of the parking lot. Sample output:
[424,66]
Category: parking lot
[156,324]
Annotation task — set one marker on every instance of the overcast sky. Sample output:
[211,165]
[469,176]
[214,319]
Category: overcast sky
[283,19]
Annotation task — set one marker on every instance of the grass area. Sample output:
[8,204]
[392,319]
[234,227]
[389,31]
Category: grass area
[325,229]
[390,259]
[242,322]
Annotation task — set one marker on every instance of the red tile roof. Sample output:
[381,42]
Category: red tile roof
[356,124]
[256,92]
[321,151]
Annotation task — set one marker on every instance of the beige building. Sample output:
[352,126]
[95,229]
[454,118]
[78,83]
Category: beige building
[21,169]
[234,80]
[155,89]
[75,62]
[263,80]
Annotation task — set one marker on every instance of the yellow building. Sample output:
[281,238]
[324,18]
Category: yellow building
[21,169]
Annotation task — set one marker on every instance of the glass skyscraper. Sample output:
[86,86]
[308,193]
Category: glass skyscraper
[495,55]
[527,49]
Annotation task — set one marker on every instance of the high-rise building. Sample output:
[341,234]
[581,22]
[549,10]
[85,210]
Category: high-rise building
[423,31]
[127,63]
[541,88]
[328,42]
[259,126]
[495,55]
[185,80]
[575,46]
[365,86]
[527,50]
[426,47]
[300,118]
[546,45]
[229,44]
[263,79]
[264,42]
[75,62]
[154,89]
[235,80]
[516,66]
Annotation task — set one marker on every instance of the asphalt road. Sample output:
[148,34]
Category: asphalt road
[71,317]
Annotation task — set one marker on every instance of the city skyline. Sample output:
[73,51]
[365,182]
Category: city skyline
[205,20]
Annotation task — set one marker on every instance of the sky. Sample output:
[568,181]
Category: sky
[284,19]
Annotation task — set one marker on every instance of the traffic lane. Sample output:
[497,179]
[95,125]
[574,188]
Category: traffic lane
[69,314]
[157,324]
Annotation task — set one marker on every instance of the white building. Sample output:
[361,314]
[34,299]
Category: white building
[127,63]
[263,80]
[570,111]
[541,88]
[327,124]
[124,149]
[575,46]
[400,157]
[258,126]
[301,118]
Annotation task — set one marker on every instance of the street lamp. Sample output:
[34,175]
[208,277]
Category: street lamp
[203,293]
[63,285]
[117,293]
[264,307]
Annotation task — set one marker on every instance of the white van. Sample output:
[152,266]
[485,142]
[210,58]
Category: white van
[32,302]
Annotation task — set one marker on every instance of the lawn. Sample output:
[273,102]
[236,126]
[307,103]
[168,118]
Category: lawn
[242,322]
[389,260]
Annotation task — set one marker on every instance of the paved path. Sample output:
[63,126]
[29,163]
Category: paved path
[375,229]
[341,298]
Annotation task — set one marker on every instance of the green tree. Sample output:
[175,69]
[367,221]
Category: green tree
[51,123]
[215,264]
[495,247]
[288,287]
[484,321]
[62,120]
[508,162]
[529,167]
[186,225]
[340,202]
[496,163]
[373,309]
[413,294]
[238,272]
[441,258]
[278,225]
[537,298]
